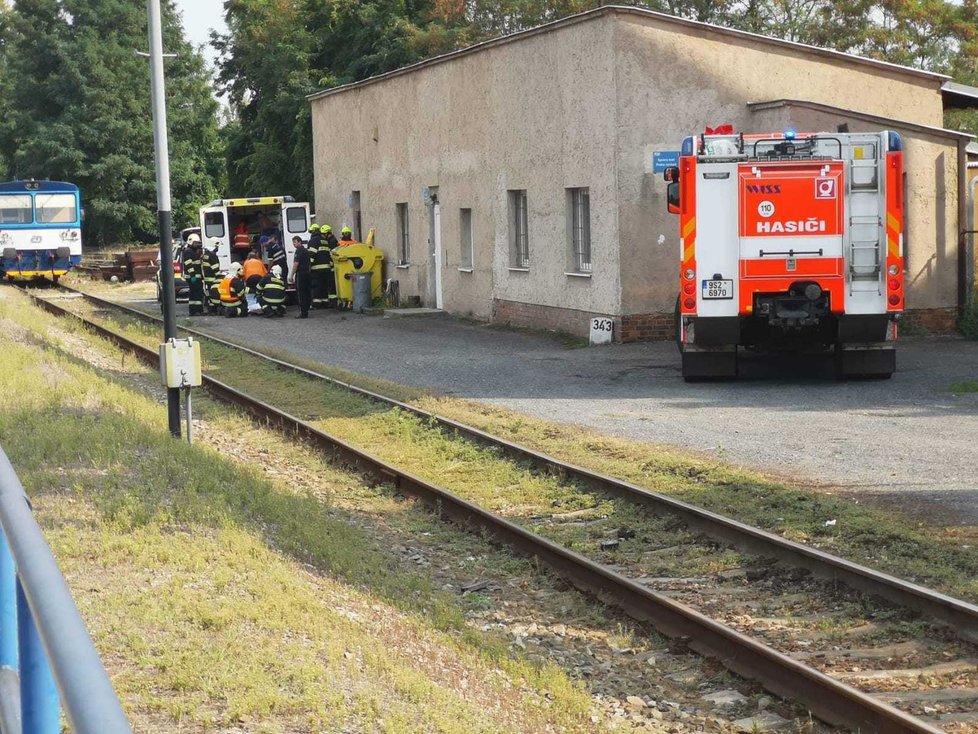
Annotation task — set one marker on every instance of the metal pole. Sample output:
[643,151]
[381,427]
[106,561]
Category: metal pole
[9,659]
[164,212]
[90,703]
[190,425]
[39,705]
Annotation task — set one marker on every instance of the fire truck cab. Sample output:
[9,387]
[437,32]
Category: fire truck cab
[789,242]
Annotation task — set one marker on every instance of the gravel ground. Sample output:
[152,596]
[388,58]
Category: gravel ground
[907,439]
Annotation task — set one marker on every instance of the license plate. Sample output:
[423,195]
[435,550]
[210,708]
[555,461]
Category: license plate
[717,289]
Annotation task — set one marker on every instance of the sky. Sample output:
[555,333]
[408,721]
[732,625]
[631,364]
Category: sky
[199,17]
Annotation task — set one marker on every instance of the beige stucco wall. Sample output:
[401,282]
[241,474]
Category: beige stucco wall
[585,104]
[931,166]
[534,115]
[673,82]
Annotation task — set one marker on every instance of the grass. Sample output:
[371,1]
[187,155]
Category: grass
[223,599]
[878,538]
[963,387]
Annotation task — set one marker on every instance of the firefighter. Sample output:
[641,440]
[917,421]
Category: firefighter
[330,241]
[211,265]
[320,267]
[194,274]
[315,239]
[300,276]
[234,293]
[346,237]
[271,293]
[276,255]
[253,271]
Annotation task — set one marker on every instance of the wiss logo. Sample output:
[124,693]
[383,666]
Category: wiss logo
[800,226]
[764,188]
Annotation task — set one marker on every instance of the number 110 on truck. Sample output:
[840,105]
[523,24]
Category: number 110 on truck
[789,242]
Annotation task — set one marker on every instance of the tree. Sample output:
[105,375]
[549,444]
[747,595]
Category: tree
[78,108]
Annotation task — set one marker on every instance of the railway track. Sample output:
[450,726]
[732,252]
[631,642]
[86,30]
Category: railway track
[825,638]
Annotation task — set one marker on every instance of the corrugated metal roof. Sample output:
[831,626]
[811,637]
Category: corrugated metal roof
[865,116]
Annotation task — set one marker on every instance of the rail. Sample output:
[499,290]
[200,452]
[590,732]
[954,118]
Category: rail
[833,701]
[46,654]
[961,616]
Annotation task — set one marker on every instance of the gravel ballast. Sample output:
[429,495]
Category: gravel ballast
[908,437]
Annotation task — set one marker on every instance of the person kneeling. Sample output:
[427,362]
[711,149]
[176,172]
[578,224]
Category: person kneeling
[233,293]
[271,293]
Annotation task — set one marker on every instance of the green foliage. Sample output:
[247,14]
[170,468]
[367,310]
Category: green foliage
[276,53]
[969,320]
[77,108]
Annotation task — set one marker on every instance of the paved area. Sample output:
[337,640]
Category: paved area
[785,415]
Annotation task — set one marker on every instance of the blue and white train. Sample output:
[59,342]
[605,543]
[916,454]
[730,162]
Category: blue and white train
[40,229]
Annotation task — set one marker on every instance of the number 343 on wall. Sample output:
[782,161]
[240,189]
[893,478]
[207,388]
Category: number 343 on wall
[601,330]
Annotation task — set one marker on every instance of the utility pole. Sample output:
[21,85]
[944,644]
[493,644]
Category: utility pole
[164,212]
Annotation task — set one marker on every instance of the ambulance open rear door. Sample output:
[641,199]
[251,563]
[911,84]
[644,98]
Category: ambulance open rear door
[214,226]
[295,222]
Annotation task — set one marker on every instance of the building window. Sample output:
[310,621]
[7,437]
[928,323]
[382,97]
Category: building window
[465,237]
[579,221]
[519,237]
[357,218]
[403,241]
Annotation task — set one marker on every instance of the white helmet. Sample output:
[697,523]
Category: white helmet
[235,268]
[193,239]
[277,271]
[215,243]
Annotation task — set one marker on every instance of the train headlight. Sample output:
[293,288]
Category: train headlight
[689,273]
[893,270]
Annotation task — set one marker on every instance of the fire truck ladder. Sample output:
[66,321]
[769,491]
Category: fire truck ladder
[865,226]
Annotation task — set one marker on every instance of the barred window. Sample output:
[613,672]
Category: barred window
[579,219]
[519,237]
[403,239]
[465,237]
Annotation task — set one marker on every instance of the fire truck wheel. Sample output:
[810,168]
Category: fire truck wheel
[867,364]
[699,366]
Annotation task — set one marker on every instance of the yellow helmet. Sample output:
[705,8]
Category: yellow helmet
[346,230]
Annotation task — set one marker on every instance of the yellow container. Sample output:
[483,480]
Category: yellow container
[358,258]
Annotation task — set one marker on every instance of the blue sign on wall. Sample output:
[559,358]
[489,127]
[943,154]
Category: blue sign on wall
[663,159]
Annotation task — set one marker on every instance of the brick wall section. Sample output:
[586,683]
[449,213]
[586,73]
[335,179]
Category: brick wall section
[533,316]
[662,326]
[632,328]
[645,327]
[935,320]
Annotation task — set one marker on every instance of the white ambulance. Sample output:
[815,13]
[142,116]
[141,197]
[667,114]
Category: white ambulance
[238,224]
[791,242]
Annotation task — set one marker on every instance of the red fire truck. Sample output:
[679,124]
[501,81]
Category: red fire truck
[789,242]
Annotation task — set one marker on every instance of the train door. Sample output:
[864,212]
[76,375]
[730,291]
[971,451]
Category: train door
[214,226]
[295,222]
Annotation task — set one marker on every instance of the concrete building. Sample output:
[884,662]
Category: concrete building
[512,181]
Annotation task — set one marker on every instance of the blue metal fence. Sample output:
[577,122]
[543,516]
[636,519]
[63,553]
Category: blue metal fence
[46,654]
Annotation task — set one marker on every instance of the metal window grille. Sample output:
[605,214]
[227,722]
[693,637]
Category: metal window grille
[465,225]
[520,229]
[581,229]
[403,241]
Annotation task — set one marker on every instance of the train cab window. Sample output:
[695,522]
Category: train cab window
[56,208]
[214,224]
[16,209]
